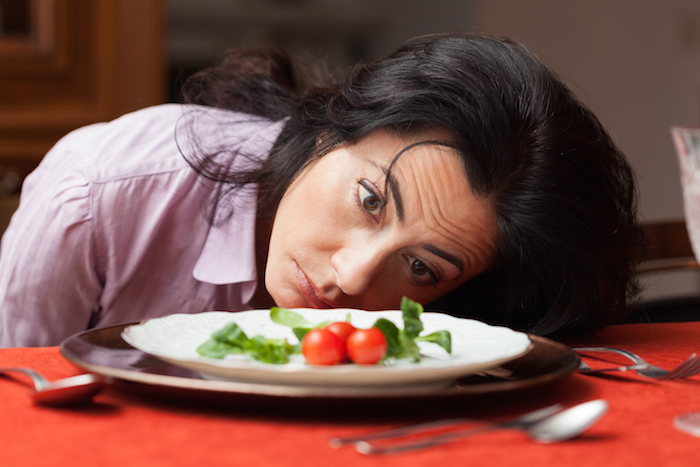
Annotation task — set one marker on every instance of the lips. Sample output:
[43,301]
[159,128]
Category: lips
[310,291]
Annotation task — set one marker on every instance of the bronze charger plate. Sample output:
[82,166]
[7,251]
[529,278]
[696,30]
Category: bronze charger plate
[104,352]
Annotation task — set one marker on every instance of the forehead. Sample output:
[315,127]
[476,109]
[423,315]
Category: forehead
[424,165]
[427,178]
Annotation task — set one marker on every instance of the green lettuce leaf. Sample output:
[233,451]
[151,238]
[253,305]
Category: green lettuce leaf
[402,343]
[232,340]
[441,338]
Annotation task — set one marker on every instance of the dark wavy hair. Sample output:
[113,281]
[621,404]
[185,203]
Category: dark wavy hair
[563,195]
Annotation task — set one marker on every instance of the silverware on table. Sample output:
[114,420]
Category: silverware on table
[688,422]
[66,391]
[437,424]
[689,367]
[584,368]
[547,425]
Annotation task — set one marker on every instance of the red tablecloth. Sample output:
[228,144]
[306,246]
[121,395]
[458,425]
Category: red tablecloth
[121,429]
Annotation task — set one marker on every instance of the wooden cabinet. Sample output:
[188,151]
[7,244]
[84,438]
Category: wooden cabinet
[68,63]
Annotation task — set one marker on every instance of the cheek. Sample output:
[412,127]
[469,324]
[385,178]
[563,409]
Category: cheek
[324,217]
[312,219]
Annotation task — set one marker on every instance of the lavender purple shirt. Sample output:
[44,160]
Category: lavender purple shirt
[110,227]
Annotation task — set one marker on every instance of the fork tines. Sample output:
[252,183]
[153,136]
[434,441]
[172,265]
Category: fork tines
[689,367]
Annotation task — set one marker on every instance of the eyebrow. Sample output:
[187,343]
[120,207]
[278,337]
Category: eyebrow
[393,186]
[459,264]
[396,195]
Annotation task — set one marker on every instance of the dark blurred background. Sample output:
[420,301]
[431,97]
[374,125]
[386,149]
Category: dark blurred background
[338,32]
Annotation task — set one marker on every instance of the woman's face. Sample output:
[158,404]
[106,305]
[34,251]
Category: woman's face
[338,241]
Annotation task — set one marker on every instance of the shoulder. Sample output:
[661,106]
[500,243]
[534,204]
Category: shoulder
[220,135]
[152,140]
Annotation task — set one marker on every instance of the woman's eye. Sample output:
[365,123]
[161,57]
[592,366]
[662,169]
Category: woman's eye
[418,268]
[368,199]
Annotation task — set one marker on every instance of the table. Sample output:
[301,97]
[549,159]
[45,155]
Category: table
[123,428]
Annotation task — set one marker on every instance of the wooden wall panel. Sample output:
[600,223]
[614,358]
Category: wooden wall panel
[85,61]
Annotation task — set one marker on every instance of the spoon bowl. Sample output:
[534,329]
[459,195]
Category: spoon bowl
[66,391]
[568,423]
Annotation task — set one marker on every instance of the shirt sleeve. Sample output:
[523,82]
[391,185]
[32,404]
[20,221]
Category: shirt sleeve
[49,277]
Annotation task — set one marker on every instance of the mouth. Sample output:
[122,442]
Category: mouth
[309,290]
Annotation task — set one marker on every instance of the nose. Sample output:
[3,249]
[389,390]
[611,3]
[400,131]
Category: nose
[357,265]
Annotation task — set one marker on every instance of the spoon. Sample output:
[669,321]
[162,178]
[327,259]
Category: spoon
[568,423]
[66,391]
[688,423]
[560,426]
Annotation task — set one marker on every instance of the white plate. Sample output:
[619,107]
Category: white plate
[475,347]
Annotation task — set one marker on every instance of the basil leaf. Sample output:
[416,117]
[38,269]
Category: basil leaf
[300,325]
[413,327]
[232,340]
[411,317]
[300,332]
[216,349]
[391,334]
[402,343]
[441,338]
[229,339]
[231,334]
[274,351]
[289,318]
[409,347]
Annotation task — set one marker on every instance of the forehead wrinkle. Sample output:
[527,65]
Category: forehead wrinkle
[473,240]
[392,184]
[473,244]
[468,235]
[467,239]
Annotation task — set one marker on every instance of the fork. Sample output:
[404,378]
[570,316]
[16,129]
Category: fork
[688,368]
[584,368]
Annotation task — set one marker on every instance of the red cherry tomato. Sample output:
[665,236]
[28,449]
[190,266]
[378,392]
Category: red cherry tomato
[341,329]
[366,346]
[322,347]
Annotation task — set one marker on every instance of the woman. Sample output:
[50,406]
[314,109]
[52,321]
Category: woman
[458,171]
